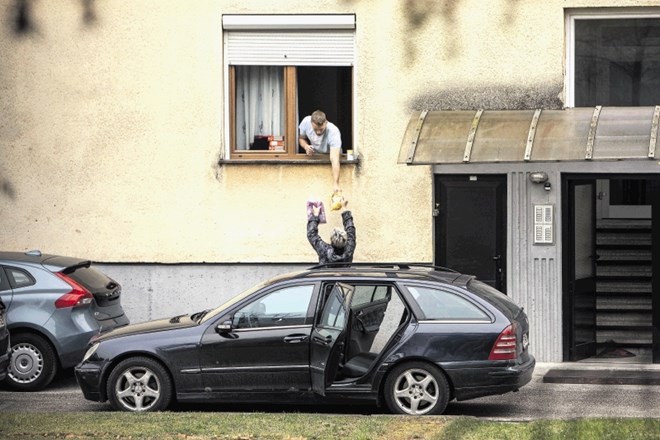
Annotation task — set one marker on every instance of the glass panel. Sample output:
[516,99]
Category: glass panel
[562,134]
[91,278]
[442,138]
[584,201]
[21,279]
[280,308]
[623,132]
[617,62]
[260,115]
[501,136]
[334,315]
[440,304]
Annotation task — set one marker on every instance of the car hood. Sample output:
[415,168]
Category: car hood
[147,327]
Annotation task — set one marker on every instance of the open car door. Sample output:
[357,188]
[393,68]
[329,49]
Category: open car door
[329,337]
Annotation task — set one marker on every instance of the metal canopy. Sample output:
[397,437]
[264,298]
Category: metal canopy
[487,136]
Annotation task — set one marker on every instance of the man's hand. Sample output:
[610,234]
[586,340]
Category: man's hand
[306,146]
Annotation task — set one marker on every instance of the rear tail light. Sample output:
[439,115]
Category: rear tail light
[505,345]
[78,296]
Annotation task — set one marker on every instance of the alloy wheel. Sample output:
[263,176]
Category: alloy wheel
[138,389]
[416,391]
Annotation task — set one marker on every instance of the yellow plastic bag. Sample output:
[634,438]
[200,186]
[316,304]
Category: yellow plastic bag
[336,200]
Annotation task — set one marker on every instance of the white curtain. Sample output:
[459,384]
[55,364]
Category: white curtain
[259,103]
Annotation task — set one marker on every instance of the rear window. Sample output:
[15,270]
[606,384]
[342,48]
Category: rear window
[438,304]
[493,295]
[91,279]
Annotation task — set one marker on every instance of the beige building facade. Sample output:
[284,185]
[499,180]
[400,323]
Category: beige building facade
[120,128]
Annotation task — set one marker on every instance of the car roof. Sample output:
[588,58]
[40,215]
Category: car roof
[401,271]
[54,263]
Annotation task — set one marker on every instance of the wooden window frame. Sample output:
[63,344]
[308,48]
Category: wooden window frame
[290,125]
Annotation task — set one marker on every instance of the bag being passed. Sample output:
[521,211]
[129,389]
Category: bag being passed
[311,204]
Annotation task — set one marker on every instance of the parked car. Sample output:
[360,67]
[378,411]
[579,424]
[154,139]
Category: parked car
[4,342]
[411,337]
[55,304]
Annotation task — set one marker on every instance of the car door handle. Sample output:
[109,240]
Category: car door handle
[295,339]
[325,341]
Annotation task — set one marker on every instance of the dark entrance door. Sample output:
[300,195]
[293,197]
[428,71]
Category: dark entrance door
[580,268]
[470,226]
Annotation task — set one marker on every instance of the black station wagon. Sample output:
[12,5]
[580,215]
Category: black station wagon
[411,337]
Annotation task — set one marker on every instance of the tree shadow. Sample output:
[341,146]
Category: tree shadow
[23,21]
[8,189]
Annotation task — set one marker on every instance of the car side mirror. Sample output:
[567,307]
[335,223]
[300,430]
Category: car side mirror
[224,327]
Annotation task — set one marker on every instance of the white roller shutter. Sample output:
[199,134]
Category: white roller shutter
[289,40]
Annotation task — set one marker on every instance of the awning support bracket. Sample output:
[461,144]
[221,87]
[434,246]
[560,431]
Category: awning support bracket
[531,134]
[473,132]
[588,155]
[418,130]
[654,132]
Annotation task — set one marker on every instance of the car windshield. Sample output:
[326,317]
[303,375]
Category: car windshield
[238,298]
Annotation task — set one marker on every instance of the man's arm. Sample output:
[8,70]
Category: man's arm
[304,142]
[334,161]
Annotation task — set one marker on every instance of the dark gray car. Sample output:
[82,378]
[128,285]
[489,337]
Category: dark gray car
[411,337]
[55,304]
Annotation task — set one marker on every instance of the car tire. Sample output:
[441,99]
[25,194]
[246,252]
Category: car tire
[33,362]
[139,384]
[416,388]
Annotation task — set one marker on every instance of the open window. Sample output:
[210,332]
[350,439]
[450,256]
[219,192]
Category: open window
[279,69]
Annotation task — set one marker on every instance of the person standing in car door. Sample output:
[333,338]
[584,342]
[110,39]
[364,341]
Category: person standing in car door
[342,241]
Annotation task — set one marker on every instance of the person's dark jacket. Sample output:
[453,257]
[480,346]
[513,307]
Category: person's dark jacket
[327,253]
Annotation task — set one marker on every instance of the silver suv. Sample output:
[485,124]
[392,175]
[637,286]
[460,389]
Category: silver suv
[54,305]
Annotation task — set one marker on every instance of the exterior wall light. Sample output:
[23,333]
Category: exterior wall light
[539,177]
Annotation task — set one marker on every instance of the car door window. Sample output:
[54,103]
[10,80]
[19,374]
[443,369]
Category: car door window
[19,278]
[439,304]
[283,307]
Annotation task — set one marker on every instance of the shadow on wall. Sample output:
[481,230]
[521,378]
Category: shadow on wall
[494,97]
[7,189]
[421,13]
[23,21]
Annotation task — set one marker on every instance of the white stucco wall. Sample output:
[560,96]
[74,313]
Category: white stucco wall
[111,130]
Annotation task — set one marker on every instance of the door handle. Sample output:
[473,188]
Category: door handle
[497,258]
[325,341]
[295,339]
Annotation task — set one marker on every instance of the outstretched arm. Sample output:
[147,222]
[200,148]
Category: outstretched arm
[320,246]
[335,154]
[349,227]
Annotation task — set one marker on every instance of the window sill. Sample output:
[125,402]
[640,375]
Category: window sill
[355,161]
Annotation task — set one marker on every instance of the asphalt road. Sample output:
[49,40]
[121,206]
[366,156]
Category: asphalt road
[537,400]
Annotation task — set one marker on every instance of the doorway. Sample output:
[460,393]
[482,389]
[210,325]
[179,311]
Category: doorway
[610,240]
[470,226]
